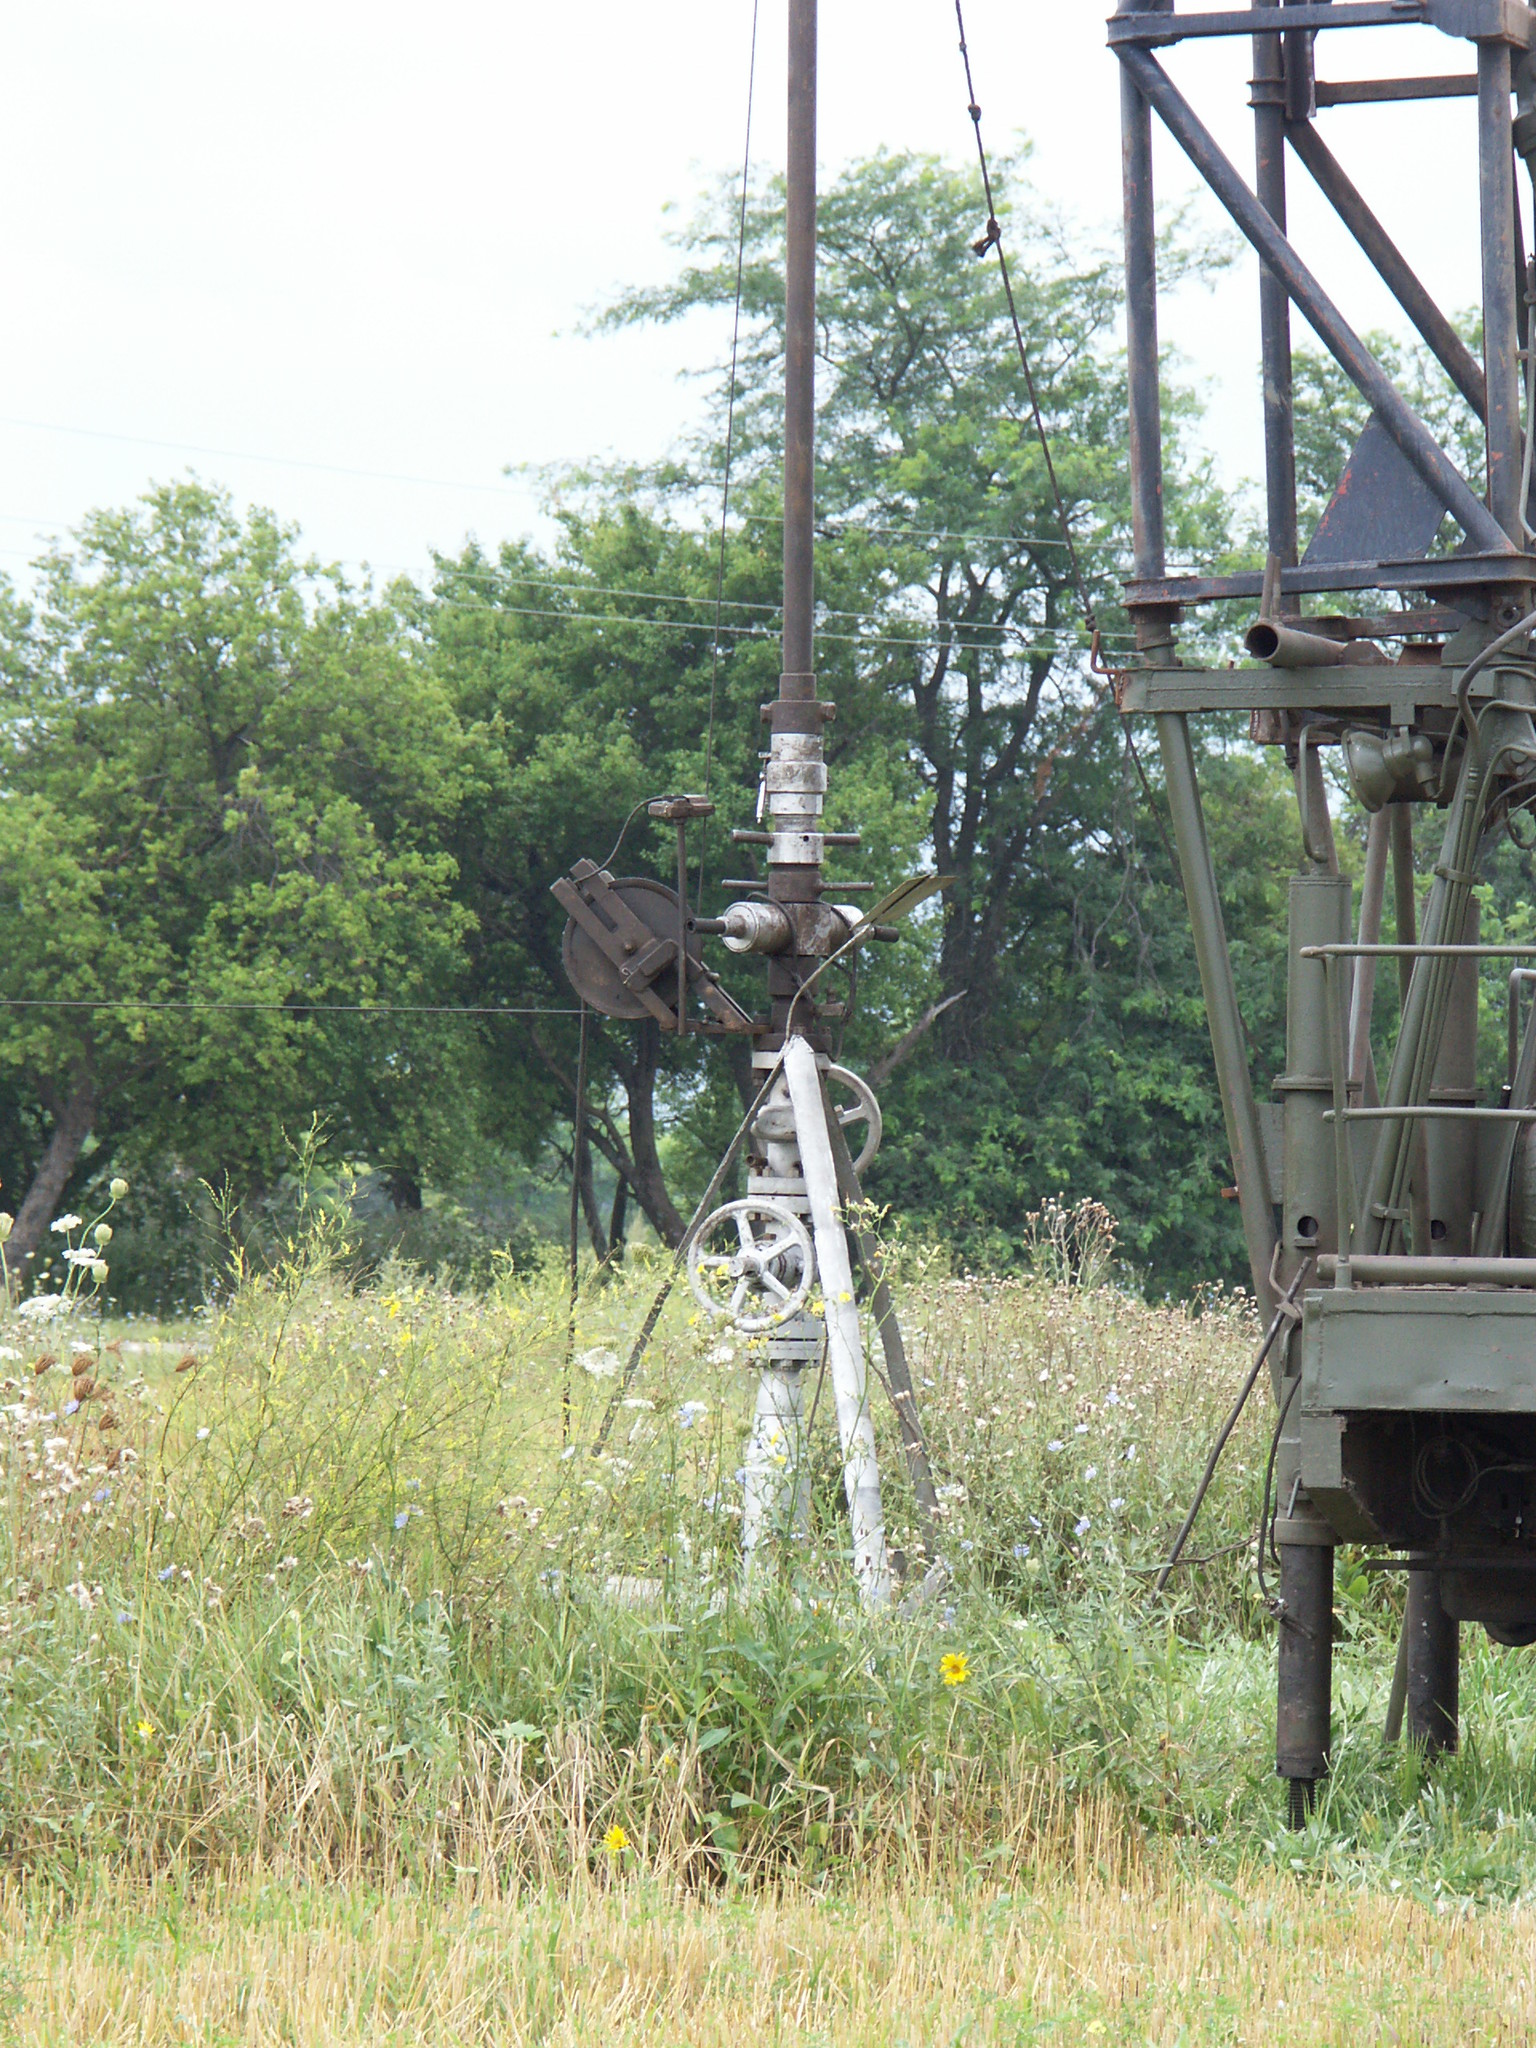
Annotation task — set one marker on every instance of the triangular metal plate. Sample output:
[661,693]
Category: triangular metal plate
[1381,509]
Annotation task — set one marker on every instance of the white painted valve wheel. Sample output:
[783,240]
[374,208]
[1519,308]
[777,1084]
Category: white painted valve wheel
[766,1278]
[864,1109]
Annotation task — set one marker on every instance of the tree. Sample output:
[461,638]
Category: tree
[1070,1039]
[584,686]
[226,778]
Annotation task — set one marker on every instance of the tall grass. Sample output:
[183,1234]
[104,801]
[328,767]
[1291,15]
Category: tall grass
[338,1592]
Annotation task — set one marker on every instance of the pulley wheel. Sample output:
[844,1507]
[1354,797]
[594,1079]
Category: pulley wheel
[598,980]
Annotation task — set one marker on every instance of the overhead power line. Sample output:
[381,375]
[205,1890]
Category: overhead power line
[378,476]
[295,1008]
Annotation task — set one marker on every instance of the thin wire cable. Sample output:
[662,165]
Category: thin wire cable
[920,637]
[993,239]
[769,628]
[578,1139]
[298,1008]
[730,431]
[725,485]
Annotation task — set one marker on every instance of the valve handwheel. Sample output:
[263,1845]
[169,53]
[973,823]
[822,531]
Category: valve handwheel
[864,1109]
[765,1278]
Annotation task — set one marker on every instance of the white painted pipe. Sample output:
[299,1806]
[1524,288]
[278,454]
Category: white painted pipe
[845,1340]
[776,1500]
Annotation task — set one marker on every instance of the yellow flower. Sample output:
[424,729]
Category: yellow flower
[615,1841]
[393,1306]
[954,1667]
[145,1730]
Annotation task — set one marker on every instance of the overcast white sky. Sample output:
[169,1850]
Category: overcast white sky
[335,255]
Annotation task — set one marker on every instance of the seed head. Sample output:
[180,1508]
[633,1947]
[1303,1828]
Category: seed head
[83,1361]
[189,1363]
[45,1364]
[103,1233]
[117,1188]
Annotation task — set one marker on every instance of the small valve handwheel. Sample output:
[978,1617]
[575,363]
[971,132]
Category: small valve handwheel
[766,1278]
[864,1109]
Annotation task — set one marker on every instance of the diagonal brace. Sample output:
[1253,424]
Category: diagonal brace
[1407,430]
[1393,268]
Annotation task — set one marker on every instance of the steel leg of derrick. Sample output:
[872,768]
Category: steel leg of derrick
[1434,1660]
[1244,1134]
[1144,393]
[1501,340]
[1304,1677]
[1274,300]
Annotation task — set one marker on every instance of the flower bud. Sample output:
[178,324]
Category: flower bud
[7,1224]
[99,1271]
[103,1233]
[117,1188]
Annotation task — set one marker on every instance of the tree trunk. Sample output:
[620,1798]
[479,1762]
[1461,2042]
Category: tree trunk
[649,1181]
[618,1221]
[71,1127]
[587,1188]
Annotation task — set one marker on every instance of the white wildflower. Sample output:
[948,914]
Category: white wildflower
[39,1307]
[1081,1526]
[600,1363]
[66,1223]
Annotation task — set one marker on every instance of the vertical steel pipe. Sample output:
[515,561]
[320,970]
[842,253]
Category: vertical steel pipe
[1304,1695]
[800,341]
[1434,1661]
[1268,101]
[1244,1134]
[1373,890]
[1501,340]
[795,778]
[1144,396]
[1405,904]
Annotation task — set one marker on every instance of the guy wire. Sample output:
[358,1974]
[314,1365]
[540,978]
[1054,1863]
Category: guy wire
[578,1138]
[993,239]
[730,437]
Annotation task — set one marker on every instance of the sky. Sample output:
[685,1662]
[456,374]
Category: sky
[339,257]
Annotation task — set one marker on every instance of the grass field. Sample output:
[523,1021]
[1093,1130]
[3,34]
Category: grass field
[321,1719]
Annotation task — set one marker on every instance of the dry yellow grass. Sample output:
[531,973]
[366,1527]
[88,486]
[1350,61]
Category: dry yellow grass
[1086,1954]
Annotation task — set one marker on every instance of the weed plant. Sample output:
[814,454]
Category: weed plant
[342,1589]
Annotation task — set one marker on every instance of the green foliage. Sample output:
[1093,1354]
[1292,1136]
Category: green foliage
[227,781]
[231,1639]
